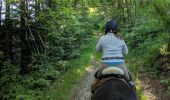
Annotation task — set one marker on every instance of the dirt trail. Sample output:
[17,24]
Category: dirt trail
[151,88]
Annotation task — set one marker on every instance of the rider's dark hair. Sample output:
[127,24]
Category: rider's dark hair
[111,26]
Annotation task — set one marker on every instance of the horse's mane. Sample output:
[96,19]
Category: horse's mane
[114,89]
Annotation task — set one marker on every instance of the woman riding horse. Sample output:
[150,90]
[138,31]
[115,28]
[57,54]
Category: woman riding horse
[113,48]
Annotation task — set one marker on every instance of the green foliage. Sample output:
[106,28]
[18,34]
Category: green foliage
[143,32]
[64,30]
[65,34]
[9,75]
[72,77]
[166,82]
[163,10]
[148,43]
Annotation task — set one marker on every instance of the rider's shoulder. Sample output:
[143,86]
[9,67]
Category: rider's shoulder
[103,36]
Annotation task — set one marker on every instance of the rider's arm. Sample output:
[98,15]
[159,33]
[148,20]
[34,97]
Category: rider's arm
[98,46]
[124,49]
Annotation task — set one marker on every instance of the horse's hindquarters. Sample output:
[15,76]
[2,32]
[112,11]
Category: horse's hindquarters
[114,89]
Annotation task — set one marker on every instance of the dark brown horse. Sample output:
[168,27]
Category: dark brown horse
[111,87]
[114,89]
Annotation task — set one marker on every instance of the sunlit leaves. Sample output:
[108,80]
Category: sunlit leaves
[163,8]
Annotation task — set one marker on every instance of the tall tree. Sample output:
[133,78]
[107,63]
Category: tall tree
[121,13]
[49,3]
[8,33]
[25,50]
[0,11]
[37,7]
[128,7]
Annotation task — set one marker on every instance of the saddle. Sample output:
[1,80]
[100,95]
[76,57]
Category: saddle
[106,73]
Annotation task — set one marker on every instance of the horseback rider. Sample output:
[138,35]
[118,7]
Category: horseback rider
[114,49]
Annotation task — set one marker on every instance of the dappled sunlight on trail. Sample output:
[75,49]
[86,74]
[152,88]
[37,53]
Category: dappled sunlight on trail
[82,91]
[149,89]
[144,91]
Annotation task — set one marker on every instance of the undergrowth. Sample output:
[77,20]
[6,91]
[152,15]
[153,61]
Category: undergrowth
[64,89]
[144,60]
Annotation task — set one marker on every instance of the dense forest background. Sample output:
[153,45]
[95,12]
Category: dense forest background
[38,39]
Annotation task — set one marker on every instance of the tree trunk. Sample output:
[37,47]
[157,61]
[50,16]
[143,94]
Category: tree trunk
[0,11]
[169,45]
[25,50]
[121,11]
[135,12]
[1,62]
[8,34]
[49,3]
[128,12]
[169,39]
[37,7]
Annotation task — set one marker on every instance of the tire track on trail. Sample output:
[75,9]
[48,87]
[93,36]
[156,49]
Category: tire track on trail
[83,91]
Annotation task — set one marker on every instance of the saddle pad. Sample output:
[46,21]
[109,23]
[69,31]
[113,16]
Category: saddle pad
[113,70]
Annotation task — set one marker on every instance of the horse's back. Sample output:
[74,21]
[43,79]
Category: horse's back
[114,89]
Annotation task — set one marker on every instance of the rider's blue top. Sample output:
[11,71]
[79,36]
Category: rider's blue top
[112,46]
